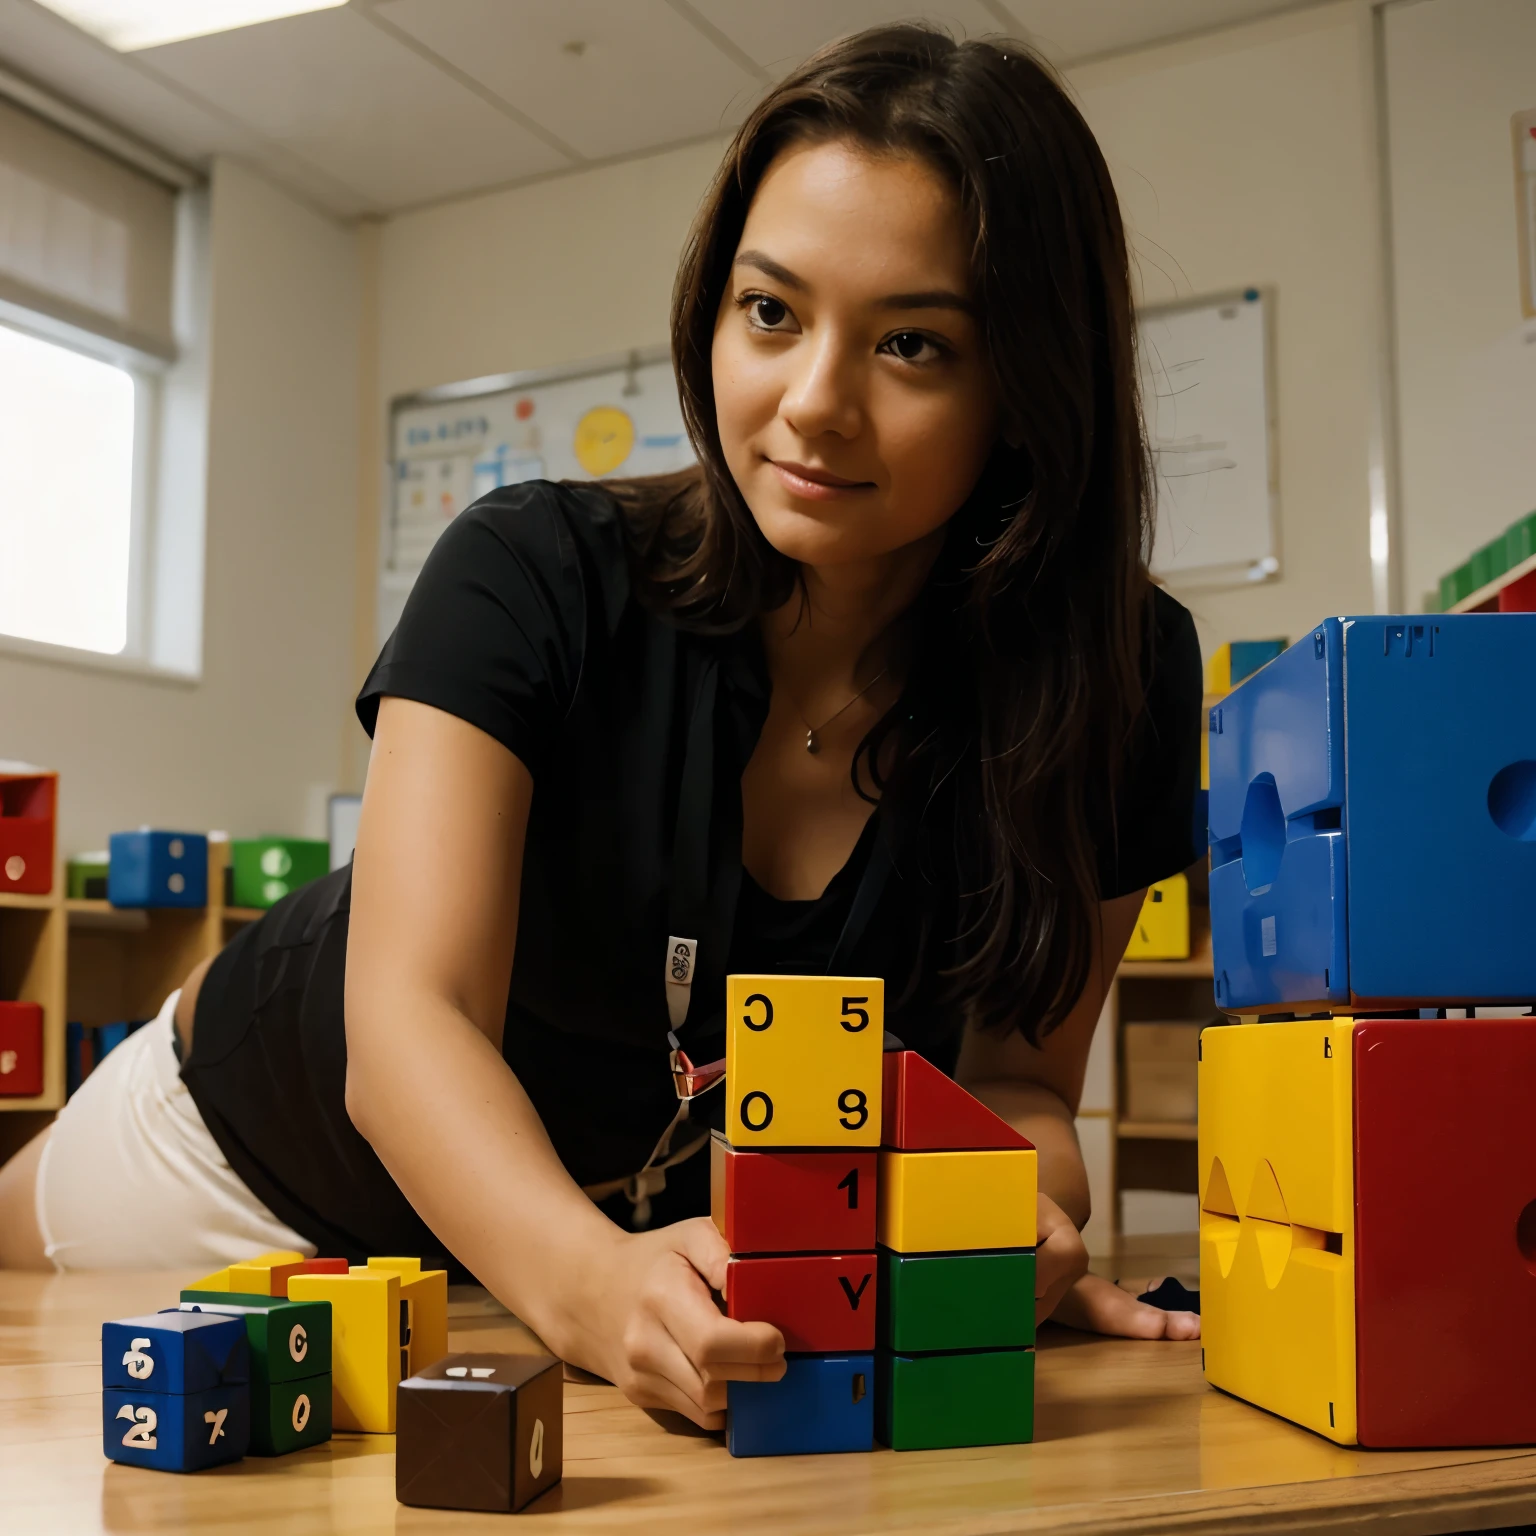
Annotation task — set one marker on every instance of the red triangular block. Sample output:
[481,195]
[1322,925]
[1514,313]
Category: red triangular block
[922,1110]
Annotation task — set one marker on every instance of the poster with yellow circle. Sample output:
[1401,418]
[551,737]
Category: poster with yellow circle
[604,438]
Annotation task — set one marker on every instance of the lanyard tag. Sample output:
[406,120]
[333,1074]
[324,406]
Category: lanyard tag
[681,956]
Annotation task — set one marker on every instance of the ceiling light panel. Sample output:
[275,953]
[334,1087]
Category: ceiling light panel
[128,25]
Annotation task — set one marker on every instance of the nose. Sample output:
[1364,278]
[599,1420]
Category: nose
[824,392]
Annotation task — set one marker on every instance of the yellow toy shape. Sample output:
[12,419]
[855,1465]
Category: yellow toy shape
[1218,670]
[425,1294]
[938,1202]
[253,1277]
[217,1281]
[1277,1267]
[1162,930]
[803,1060]
[365,1344]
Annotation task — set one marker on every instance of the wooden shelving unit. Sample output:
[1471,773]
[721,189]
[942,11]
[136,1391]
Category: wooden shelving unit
[94,963]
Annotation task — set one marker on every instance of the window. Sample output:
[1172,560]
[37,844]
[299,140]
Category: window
[69,426]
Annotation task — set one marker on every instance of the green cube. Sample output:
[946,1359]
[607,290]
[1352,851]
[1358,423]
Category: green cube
[86,877]
[265,869]
[936,1402]
[1520,541]
[289,1340]
[948,1301]
[289,1415]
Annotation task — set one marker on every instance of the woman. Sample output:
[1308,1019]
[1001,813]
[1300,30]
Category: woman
[880,688]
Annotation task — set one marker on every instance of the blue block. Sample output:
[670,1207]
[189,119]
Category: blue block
[74,1040]
[109,1037]
[176,1433]
[823,1403]
[158,869]
[174,1352]
[1373,818]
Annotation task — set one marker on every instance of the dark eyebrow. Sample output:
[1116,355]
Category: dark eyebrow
[936,298]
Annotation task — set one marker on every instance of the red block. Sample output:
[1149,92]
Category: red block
[282,1273]
[922,1110]
[27,813]
[1519,596]
[1445,1232]
[21,1049]
[793,1202]
[823,1303]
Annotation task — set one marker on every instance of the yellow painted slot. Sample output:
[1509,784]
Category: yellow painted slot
[1277,1278]
[425,1293]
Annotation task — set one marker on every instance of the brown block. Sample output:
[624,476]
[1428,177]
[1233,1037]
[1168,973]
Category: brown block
[480,1432]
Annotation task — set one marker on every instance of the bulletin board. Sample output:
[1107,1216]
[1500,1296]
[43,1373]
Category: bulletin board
[450,446]
[1208,399]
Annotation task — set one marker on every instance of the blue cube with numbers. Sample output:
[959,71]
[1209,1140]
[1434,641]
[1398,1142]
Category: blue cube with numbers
[821,1403]
[180,1352]
[173,1432]
[1373,818]
[158,869]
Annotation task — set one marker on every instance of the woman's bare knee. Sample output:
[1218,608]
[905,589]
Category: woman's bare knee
[21,1241]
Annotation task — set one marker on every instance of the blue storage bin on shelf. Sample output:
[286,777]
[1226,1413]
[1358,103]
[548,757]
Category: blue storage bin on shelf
[1373,819]
[158,869]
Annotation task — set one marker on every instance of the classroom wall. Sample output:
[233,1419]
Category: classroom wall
[256,744]
[1242,159]
[1457,70]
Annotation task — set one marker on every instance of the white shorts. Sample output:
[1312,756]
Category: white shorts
[130,1178]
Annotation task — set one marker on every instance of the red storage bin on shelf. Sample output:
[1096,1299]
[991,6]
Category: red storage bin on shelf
[21,1050]
[29,800]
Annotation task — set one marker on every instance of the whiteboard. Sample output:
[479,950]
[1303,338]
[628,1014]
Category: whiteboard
[451,446]
[1206,397]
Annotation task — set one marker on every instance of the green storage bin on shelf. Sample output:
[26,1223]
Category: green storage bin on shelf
[265,869]
[1455,585]
[1490,562]
[85,877]
[1520,541]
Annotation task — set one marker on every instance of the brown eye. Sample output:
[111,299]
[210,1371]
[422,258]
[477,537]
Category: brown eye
[768,312]
[909,345]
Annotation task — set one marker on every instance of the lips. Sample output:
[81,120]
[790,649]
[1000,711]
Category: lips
[813,482]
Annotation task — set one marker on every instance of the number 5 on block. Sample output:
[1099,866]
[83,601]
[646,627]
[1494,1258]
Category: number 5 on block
[803,1060]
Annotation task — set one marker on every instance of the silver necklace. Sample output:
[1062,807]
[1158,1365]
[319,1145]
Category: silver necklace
[812,743]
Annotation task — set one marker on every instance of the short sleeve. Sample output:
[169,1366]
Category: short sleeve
[1155,816]
[495,628]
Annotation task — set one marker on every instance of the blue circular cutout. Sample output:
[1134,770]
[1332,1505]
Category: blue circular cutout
[1512,800]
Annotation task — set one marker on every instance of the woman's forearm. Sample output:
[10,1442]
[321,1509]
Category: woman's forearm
[1041,1115]
[431,1093]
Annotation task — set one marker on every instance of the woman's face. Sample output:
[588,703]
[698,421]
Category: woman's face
[855,400]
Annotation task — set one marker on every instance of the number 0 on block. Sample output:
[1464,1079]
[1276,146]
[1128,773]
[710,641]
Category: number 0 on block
[803,1060]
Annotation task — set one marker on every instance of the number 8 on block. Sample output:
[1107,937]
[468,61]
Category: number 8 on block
[803,1060]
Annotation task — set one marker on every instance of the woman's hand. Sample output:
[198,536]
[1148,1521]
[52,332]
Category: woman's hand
[1061,1260]
[1097,1305]
[652,1327]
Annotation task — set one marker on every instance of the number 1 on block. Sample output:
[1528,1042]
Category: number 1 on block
[803,1060]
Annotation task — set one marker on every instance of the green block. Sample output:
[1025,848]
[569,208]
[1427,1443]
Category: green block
[1490,562]
[265,869]
[936,1402]
[1447,592]
[289,1415]
[949,1301]
[1520,541]
[289,1340]
[1462,583]
[86,877]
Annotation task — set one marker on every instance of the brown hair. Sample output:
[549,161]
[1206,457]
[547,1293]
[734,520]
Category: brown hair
[1003,757]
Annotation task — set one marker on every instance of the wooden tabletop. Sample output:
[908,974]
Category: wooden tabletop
[1130,1440]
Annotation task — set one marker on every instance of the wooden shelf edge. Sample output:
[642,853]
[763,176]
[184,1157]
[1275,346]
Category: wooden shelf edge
[243,914]
[1196,965]
[44,1103]
[1474,600]
[16,902]
[1157,1130]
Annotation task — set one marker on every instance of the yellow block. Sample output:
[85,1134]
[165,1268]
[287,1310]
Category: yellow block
[936,1202]
[802,1060]
[1218,671]
[365,1344]
[1277,1235]
[217,1281]
[253,1277]
[1162,930]
[425,1294]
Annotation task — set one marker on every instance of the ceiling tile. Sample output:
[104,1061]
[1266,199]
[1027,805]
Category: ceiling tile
[1071,29]
[780,34]
[358,105]
[607,77]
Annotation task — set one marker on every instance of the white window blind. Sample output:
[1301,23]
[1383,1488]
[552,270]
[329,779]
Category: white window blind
[83,237]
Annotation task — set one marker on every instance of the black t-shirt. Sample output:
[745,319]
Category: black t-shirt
[524,623]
